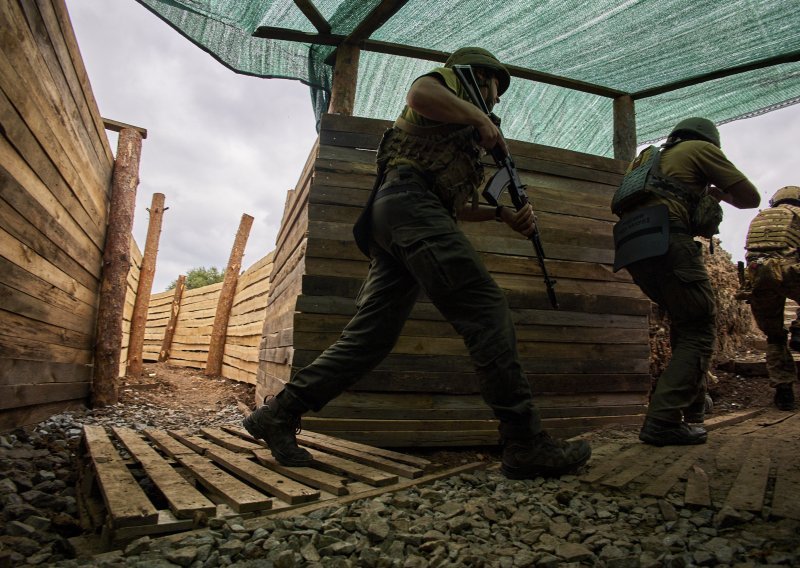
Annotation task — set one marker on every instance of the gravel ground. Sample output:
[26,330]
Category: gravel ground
[472,519]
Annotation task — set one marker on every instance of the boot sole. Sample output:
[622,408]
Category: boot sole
[660,443]
[512,472]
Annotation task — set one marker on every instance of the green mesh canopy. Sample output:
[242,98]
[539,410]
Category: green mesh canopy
[636,47]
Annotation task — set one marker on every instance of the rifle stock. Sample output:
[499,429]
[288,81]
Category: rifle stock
[506,177]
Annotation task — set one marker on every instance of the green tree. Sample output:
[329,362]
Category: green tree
[199,277]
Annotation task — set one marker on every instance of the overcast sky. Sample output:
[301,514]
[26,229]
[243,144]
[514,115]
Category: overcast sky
[221,144]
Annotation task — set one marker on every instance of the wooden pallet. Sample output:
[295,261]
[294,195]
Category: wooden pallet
[221,472]
[749,466]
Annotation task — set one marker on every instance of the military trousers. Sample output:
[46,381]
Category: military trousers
[416,246]
[774,283]
[678,282]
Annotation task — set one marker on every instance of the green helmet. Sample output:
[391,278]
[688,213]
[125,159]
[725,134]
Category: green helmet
[479,57]
[701,127]
[788,194]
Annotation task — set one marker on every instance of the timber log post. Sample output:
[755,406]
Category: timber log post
[116,264]
[624,128]
[146,274]
[216,347]
[345,79]
[169,333]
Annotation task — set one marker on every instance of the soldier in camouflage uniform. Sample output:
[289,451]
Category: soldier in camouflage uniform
[665,261]
[429,171]
[772,275]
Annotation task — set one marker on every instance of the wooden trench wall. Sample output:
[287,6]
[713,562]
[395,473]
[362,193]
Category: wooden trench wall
[196,311]
[55,173]
[587,363]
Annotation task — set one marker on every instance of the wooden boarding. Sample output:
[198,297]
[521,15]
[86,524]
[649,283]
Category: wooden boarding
[184,500]
[224,472]
[749,466]
[127,504]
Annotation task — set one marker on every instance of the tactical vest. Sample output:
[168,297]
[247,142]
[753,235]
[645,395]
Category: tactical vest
[645,178]
[774,231]
[447,154]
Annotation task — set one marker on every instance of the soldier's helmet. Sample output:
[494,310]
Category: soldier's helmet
[699,126]
[787,194]
[479,57]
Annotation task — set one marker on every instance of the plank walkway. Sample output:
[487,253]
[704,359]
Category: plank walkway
[222,472]
[750,466]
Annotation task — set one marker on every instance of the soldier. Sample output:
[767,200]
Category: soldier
[670,195]
[428,173]
[772,275]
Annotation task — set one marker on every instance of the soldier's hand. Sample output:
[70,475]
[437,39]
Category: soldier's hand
[521,221]
[490,135]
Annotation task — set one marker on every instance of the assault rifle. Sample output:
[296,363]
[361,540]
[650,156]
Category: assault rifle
[506,176]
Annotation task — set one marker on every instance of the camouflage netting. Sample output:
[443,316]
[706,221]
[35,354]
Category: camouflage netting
[736,328]
[631,47]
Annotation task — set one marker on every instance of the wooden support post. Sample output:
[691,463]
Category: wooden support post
[146,274]
[220,329]
[169,333]
[345,79]
[624,128]
[116,264]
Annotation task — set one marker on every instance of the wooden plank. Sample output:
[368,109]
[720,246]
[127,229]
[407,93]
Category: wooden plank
[265,479]
[183,498]
[127,504]
[361,457]
[414,461]
[15,396]
[334,484]
[167,523]
[229,442]
[637,467]
[241,497]
[750,485]
[786,496]
[167,444]
[697,489]
[367,474]
[623,460]
[662,484]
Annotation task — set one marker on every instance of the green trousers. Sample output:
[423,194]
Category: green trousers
[678,282]
[417,246]
[768,300]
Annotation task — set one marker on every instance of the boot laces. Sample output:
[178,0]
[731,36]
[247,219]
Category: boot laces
[293,420]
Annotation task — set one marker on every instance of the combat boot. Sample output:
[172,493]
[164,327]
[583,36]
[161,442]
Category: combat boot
[784,397]
[542,456]
[278,428]
[696,412]
[794,338]
[663,433]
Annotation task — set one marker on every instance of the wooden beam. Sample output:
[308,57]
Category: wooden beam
[624,128]
[116,263]
[433,55]
[115,126]
[345,80]
[146,274]
[216,347]
[169,333]
[370,24]
[317,20]
[704,77]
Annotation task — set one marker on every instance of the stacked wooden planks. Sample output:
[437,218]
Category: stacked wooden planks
[193,329]
[130,299]
[240,360]
[587,363]
[196,317]
[55,172]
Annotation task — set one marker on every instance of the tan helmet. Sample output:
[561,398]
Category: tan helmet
[479,57]
[702,127]
[787,194]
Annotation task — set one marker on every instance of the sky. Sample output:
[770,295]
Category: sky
[220,144]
